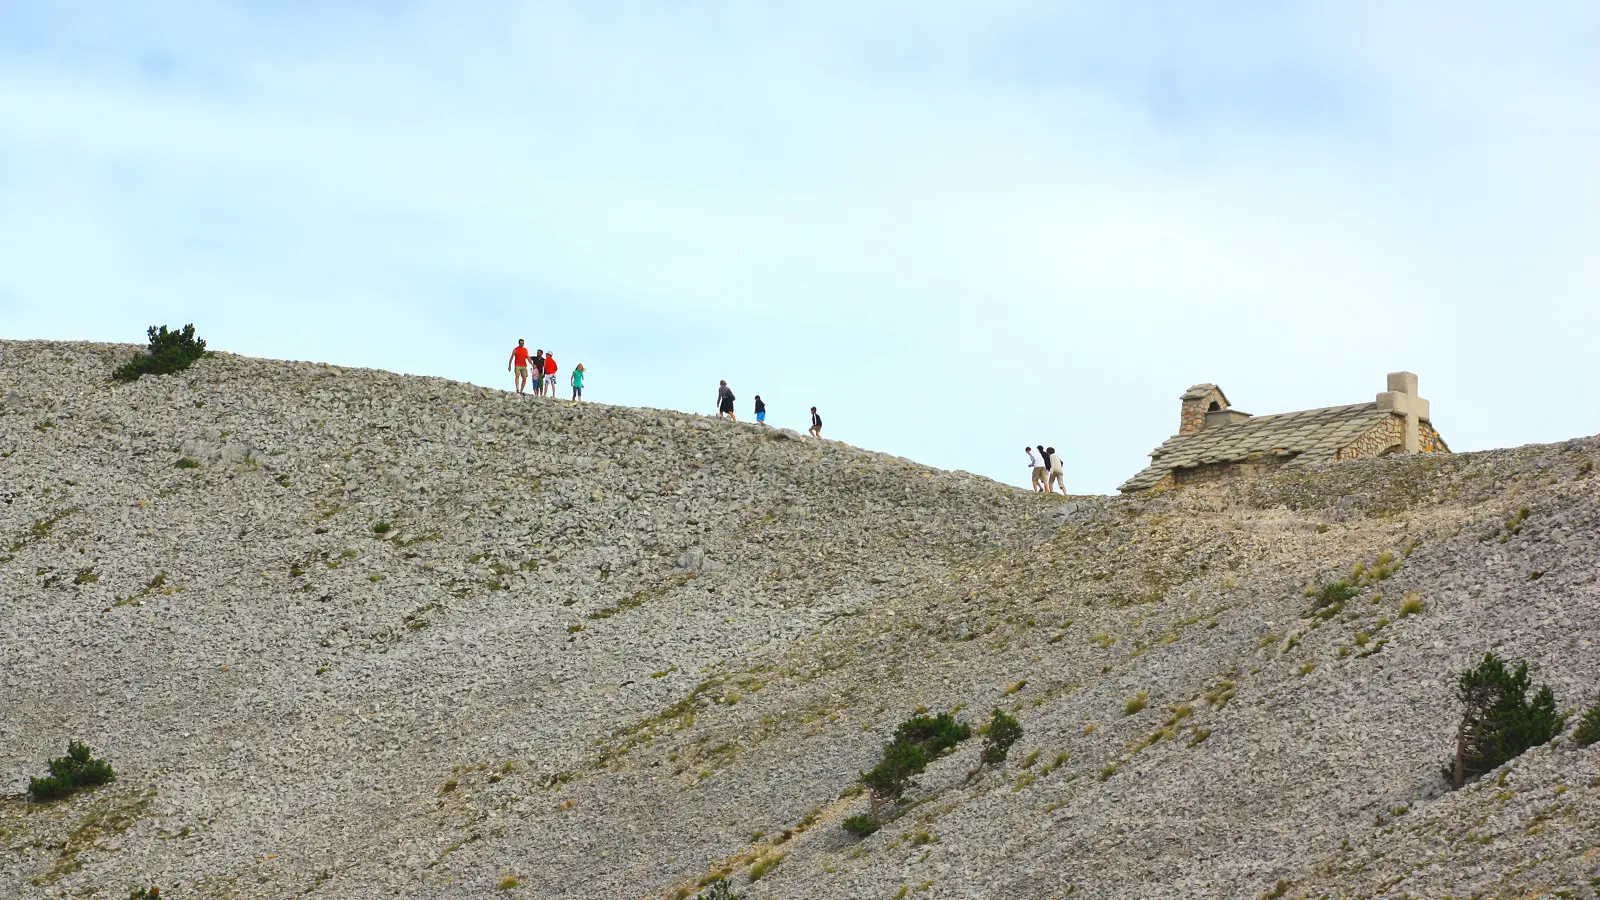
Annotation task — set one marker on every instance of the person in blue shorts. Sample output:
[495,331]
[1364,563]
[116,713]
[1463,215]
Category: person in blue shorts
[761,410]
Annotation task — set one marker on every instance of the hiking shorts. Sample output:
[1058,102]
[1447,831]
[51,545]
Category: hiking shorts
[1038,474]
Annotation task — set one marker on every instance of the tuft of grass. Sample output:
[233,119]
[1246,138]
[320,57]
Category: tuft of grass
[187,462]
[381,527]
[764,865]
[1308,668]
[1135,703]
[1015,686]
[1199,736]
[1411,605]
[510,882]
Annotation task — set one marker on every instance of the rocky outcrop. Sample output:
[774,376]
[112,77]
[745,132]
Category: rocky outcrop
[383,635]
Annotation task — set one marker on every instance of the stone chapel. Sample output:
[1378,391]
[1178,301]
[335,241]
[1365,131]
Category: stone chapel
[1216,442]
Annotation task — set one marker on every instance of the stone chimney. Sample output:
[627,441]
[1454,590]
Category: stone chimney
[1402,400]
[1197,401]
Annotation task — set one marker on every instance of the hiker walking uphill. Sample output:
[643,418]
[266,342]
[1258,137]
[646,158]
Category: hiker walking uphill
[816,424]
[1038,470]
[761,410]
[1057,471]
[725,402]
[1046,457]
[519,362]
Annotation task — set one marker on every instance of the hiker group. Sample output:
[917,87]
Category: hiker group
[542,367]
[1047,469]
[725,400]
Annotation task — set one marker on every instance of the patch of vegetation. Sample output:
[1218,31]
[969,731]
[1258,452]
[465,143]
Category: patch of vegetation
[86,576]
[70,774]
[917,741]
[1199,736]
[168,352]
[1334,593]
[381,527]
[1002,731]
[1515,523]
[187,462]
[1411,605]
[509,882]
[150,893]
[1135,703]
[1588,730]
[764,865]
[1309,667]
[719,890]
[1499,722]
[860,826]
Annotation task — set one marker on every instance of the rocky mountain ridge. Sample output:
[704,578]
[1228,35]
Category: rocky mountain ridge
[346,633]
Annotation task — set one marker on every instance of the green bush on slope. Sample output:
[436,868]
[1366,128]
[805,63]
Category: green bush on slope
[70,774]
[1499,722]
[169,351]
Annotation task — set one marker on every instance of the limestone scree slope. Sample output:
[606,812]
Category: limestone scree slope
[349,634]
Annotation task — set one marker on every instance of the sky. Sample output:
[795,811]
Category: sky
[956,228]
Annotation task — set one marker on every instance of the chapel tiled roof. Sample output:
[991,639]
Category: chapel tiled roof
[1308,435]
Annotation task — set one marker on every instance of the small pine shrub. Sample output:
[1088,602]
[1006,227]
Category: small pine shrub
[70,774]
[1336,592]
[934,735]
[1003,731]
[187,462]
[719,890]
[169,351]
[1588,730]
[917,741]
[860,826]
[381,527]
[1499,722]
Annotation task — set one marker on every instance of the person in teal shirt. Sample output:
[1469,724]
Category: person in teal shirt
[577,384]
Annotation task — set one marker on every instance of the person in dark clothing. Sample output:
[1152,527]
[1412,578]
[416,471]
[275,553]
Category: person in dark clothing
[538,373]
[725,402]
[761,410]
[1047,456]
[816,423]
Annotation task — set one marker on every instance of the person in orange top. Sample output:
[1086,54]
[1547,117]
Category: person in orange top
[519,360]
[550,374]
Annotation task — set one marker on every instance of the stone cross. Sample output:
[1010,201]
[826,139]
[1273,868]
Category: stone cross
[1401,397]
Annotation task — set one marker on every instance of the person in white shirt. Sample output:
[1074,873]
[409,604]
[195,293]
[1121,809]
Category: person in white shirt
[1038,470]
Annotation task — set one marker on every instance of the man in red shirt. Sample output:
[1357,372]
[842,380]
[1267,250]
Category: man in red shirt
[519,361]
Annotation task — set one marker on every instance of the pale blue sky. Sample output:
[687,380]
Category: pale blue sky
[955,227]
